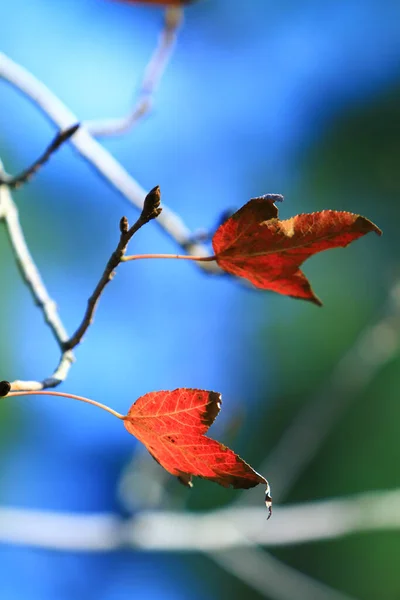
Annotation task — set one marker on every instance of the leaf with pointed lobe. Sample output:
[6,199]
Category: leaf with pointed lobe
[253,243]
[172,424]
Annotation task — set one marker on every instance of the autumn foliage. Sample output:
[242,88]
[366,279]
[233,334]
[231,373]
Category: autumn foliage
[254,244]
[172,425]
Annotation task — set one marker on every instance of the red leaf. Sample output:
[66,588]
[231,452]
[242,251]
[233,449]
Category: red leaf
[253,243]
[171,425]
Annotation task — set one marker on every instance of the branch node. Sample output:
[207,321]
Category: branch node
[5,388]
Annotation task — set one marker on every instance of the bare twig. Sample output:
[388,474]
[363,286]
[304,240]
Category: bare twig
[151,210]
[220,530]
[155,69]
[18,180]
[375,347]
[97,156]
[31,276]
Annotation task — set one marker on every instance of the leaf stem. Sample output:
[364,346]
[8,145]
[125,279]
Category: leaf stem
[179,256]
[73,397]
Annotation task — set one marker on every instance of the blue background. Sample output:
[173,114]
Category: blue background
[260,97]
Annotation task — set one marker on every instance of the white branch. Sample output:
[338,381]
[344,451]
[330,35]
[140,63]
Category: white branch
[244,526]
[204,532]
[60,531]
[31,276]
[152,77]
[97,156]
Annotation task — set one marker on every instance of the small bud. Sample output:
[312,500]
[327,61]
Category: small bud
[123,225]
[5,388]
[151,204]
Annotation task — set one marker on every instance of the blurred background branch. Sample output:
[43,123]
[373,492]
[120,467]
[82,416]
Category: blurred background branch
[173,17]
[272,578]
[178,531]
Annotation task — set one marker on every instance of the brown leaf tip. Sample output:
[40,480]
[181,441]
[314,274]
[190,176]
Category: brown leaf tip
[313,298]
[185,479]
[268,501]
[213,407]
[270,197]
[365,226]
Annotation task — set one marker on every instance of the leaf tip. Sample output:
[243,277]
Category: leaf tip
[315,300]
[268,501]
[364,225]
[213,407]
[270,197]
[185,479]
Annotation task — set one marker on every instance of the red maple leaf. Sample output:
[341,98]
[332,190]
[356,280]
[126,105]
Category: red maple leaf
[253,243]
[172,424]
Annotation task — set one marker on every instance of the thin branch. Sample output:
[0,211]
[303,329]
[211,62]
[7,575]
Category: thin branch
[151,210]
[374,348]
[32,278]
[237,527]
[168,256]
[97,156]
[73,397]
[155,69]
[18,180]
